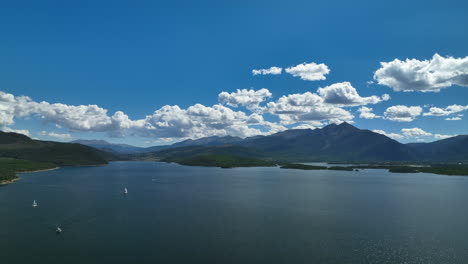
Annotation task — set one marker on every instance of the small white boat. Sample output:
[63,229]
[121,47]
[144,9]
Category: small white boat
[34,204]
[125,190]
[58,230]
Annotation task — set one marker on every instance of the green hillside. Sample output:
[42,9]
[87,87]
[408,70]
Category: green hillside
[21,147]
[21,153]
[9,167]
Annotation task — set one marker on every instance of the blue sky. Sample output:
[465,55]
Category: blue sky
[138,56]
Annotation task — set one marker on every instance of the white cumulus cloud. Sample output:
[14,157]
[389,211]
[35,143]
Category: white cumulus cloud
[272,70]
[309,125]
[456,118]
[197,121]
[366,113]
[308,106]
[425,76]
[56,135]
[309,71]
[167,122]
[79,118]
[390,135]
[451,109]
[346,95]
[415,132]
[19,131]
[251,99]
[440,136]
[402,113]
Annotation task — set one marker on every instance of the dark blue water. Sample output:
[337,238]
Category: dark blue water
[179,214]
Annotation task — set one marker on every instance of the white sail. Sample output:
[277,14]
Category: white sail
[34,204]
[125,190]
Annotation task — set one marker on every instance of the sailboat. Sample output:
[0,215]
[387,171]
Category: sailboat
[58,230]
[34,204]
[125,190]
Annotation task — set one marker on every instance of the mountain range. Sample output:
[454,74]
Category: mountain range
[129,149]
[332,143]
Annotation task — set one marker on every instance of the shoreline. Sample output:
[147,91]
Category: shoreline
[6,182]
[38,170]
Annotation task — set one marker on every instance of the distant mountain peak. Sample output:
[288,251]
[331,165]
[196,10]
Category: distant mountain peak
[340,127]
[90,141]
[345,124]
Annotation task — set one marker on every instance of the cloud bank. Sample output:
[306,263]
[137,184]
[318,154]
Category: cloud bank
[173,122]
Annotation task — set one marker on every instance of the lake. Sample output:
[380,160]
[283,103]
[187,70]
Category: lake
[181,214]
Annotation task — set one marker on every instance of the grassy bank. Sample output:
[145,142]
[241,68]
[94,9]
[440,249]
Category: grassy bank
[9,168]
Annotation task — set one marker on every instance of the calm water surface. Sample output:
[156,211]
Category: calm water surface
[180,214]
